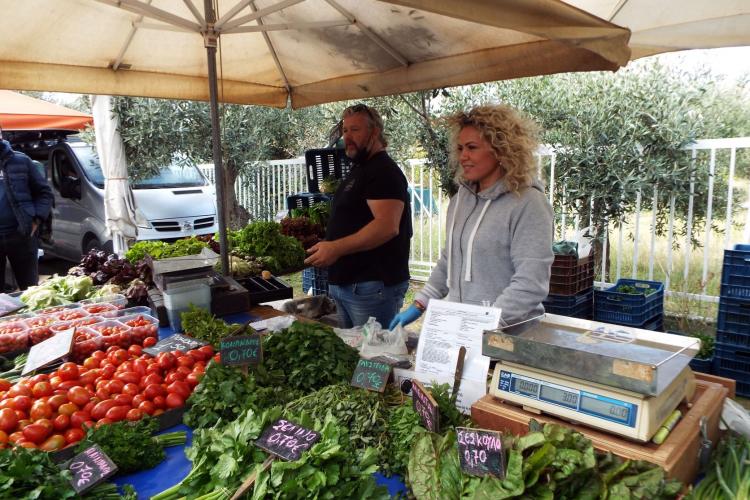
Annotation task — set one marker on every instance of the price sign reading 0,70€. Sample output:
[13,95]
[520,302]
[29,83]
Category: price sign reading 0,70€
[287,439]
[371,375]
[480,452]
[89,468]
[241,350]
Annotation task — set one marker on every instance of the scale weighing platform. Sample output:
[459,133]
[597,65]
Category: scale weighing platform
[618,379]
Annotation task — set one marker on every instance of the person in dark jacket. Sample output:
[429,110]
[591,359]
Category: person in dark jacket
[25,202]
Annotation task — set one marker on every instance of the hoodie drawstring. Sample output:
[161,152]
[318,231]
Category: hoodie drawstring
[450,235]
[467,276]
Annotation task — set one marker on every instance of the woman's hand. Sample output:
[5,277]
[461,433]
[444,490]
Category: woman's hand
[404,318]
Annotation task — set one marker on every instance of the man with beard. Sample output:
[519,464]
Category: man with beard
[366,248]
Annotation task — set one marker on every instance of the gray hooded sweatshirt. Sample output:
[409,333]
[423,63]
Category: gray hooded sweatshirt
[498,251]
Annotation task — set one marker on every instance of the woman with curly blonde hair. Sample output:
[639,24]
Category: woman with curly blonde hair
[499,236]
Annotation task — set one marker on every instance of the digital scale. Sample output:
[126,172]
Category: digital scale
[625,413]
[622,380]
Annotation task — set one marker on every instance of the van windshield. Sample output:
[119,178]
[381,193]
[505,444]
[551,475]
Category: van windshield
[171,176]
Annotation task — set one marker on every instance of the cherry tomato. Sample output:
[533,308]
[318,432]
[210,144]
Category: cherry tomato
[74,435]
[8,420]
[134,414]
[68,371]
[174,400]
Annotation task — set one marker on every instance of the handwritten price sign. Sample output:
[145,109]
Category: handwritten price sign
[89,468]
[425,406]
[371,375]
[287,439]
[480,452]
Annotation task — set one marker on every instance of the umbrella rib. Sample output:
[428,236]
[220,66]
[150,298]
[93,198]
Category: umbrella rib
[163,27]
[255,15]
[121,55]
[271,49]
[286,26]
[153,12]
[232,12]
[195,11]
[369,33]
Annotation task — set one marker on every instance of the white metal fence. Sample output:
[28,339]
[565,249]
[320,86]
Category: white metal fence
[264,190]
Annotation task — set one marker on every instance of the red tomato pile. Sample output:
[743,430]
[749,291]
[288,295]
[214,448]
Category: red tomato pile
[141,329]
[71,314]
[114,334]
[52,411]
[99,307]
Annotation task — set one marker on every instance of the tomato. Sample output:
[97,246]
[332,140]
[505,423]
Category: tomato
[124,399]
[147,407]
[74,435]
[78,396]
[153,390]
[102,392]
[27,444]
[55,381]
[154,367]
[90,405]
[90,376]
[41,377]
[117,413]
[19,389]
[131,389]
[108,371]
[100,355]
[41,389]
[149,341]
[115,386]
[78,418]
[91,362]
[8,420]
[171,377]
[22,415]
[68,371]
[180,388]
[22,403]
[134,414]
[15,437]
[117,356]
[128,377]
[54,442]
[197,354]
[185,361]
[159,402]
[135,350]
[101,409]
[61,422]
[174,400]
[40,410]
[3,439]
[140,366]
[207,351]
[152,378]
[47,423]
[57,400]
[36,433]
[166,360]
[67,384]
[102,421]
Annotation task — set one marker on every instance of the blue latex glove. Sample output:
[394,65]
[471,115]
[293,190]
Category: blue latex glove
[406,317]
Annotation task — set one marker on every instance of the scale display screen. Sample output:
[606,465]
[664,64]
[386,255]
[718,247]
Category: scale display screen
[597,405]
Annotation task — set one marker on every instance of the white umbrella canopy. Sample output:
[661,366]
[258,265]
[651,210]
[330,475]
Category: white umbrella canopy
[307,51]
[670,25]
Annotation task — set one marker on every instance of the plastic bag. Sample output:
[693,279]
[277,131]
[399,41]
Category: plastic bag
[382,341]
[279,323]
[353,337]
[735,417]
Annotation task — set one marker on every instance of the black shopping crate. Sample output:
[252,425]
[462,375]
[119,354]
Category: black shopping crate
[742,379]
[627,309]
[732,358]
[734,316]
[736,263]
[740,340]
[322,163]
[305,200]
[571,275]
[315,279]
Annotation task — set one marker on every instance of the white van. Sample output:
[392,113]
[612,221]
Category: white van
[177,202]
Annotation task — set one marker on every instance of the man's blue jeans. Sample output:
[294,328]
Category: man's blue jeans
[357,302]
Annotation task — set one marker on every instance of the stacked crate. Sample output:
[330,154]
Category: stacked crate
[315,279]
[732,352]
[640,310]
[571,286]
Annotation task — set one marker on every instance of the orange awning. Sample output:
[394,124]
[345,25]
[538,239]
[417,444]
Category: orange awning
[21,112]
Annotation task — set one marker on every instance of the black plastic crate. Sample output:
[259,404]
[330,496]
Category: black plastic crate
[580,305]
[582,311]
[740,340]
[734,316]
[305,200]
[322,163]
[738,288]
[261,290]
[571,275]
[742,379]
[315,278]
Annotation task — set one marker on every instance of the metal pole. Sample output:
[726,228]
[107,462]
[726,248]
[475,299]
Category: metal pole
[211,38]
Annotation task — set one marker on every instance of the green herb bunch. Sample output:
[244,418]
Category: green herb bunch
[162,250]
[201,324]
[131,445]
[310,356]
[363,412]
[450,416]
[403,426]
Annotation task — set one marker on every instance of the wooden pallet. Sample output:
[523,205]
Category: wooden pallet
[678,455]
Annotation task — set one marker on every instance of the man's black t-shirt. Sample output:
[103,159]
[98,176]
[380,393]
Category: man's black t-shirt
[378,178]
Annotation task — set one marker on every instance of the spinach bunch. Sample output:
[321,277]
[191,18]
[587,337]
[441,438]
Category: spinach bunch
[363,412]
[201,324]
[403,425]
[310,356]
[162,250]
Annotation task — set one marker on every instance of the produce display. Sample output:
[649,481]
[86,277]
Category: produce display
[58,290]
[728,474]
[303,229]
[201,324]
[633,290]
[162,250]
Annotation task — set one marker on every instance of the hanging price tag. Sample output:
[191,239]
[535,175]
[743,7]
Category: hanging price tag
[286,439]
[371,375]
[480,452]
[89,468]
[425,406]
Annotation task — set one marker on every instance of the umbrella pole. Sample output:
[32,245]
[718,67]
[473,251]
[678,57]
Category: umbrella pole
[210,40]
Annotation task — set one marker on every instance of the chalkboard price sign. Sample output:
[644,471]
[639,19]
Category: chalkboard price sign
[241,350]
[89,468]
[480,452]
[176,342]
[425,406]
[371,375]
[287,439]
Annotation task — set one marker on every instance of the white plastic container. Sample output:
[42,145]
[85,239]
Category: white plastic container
[178,301]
